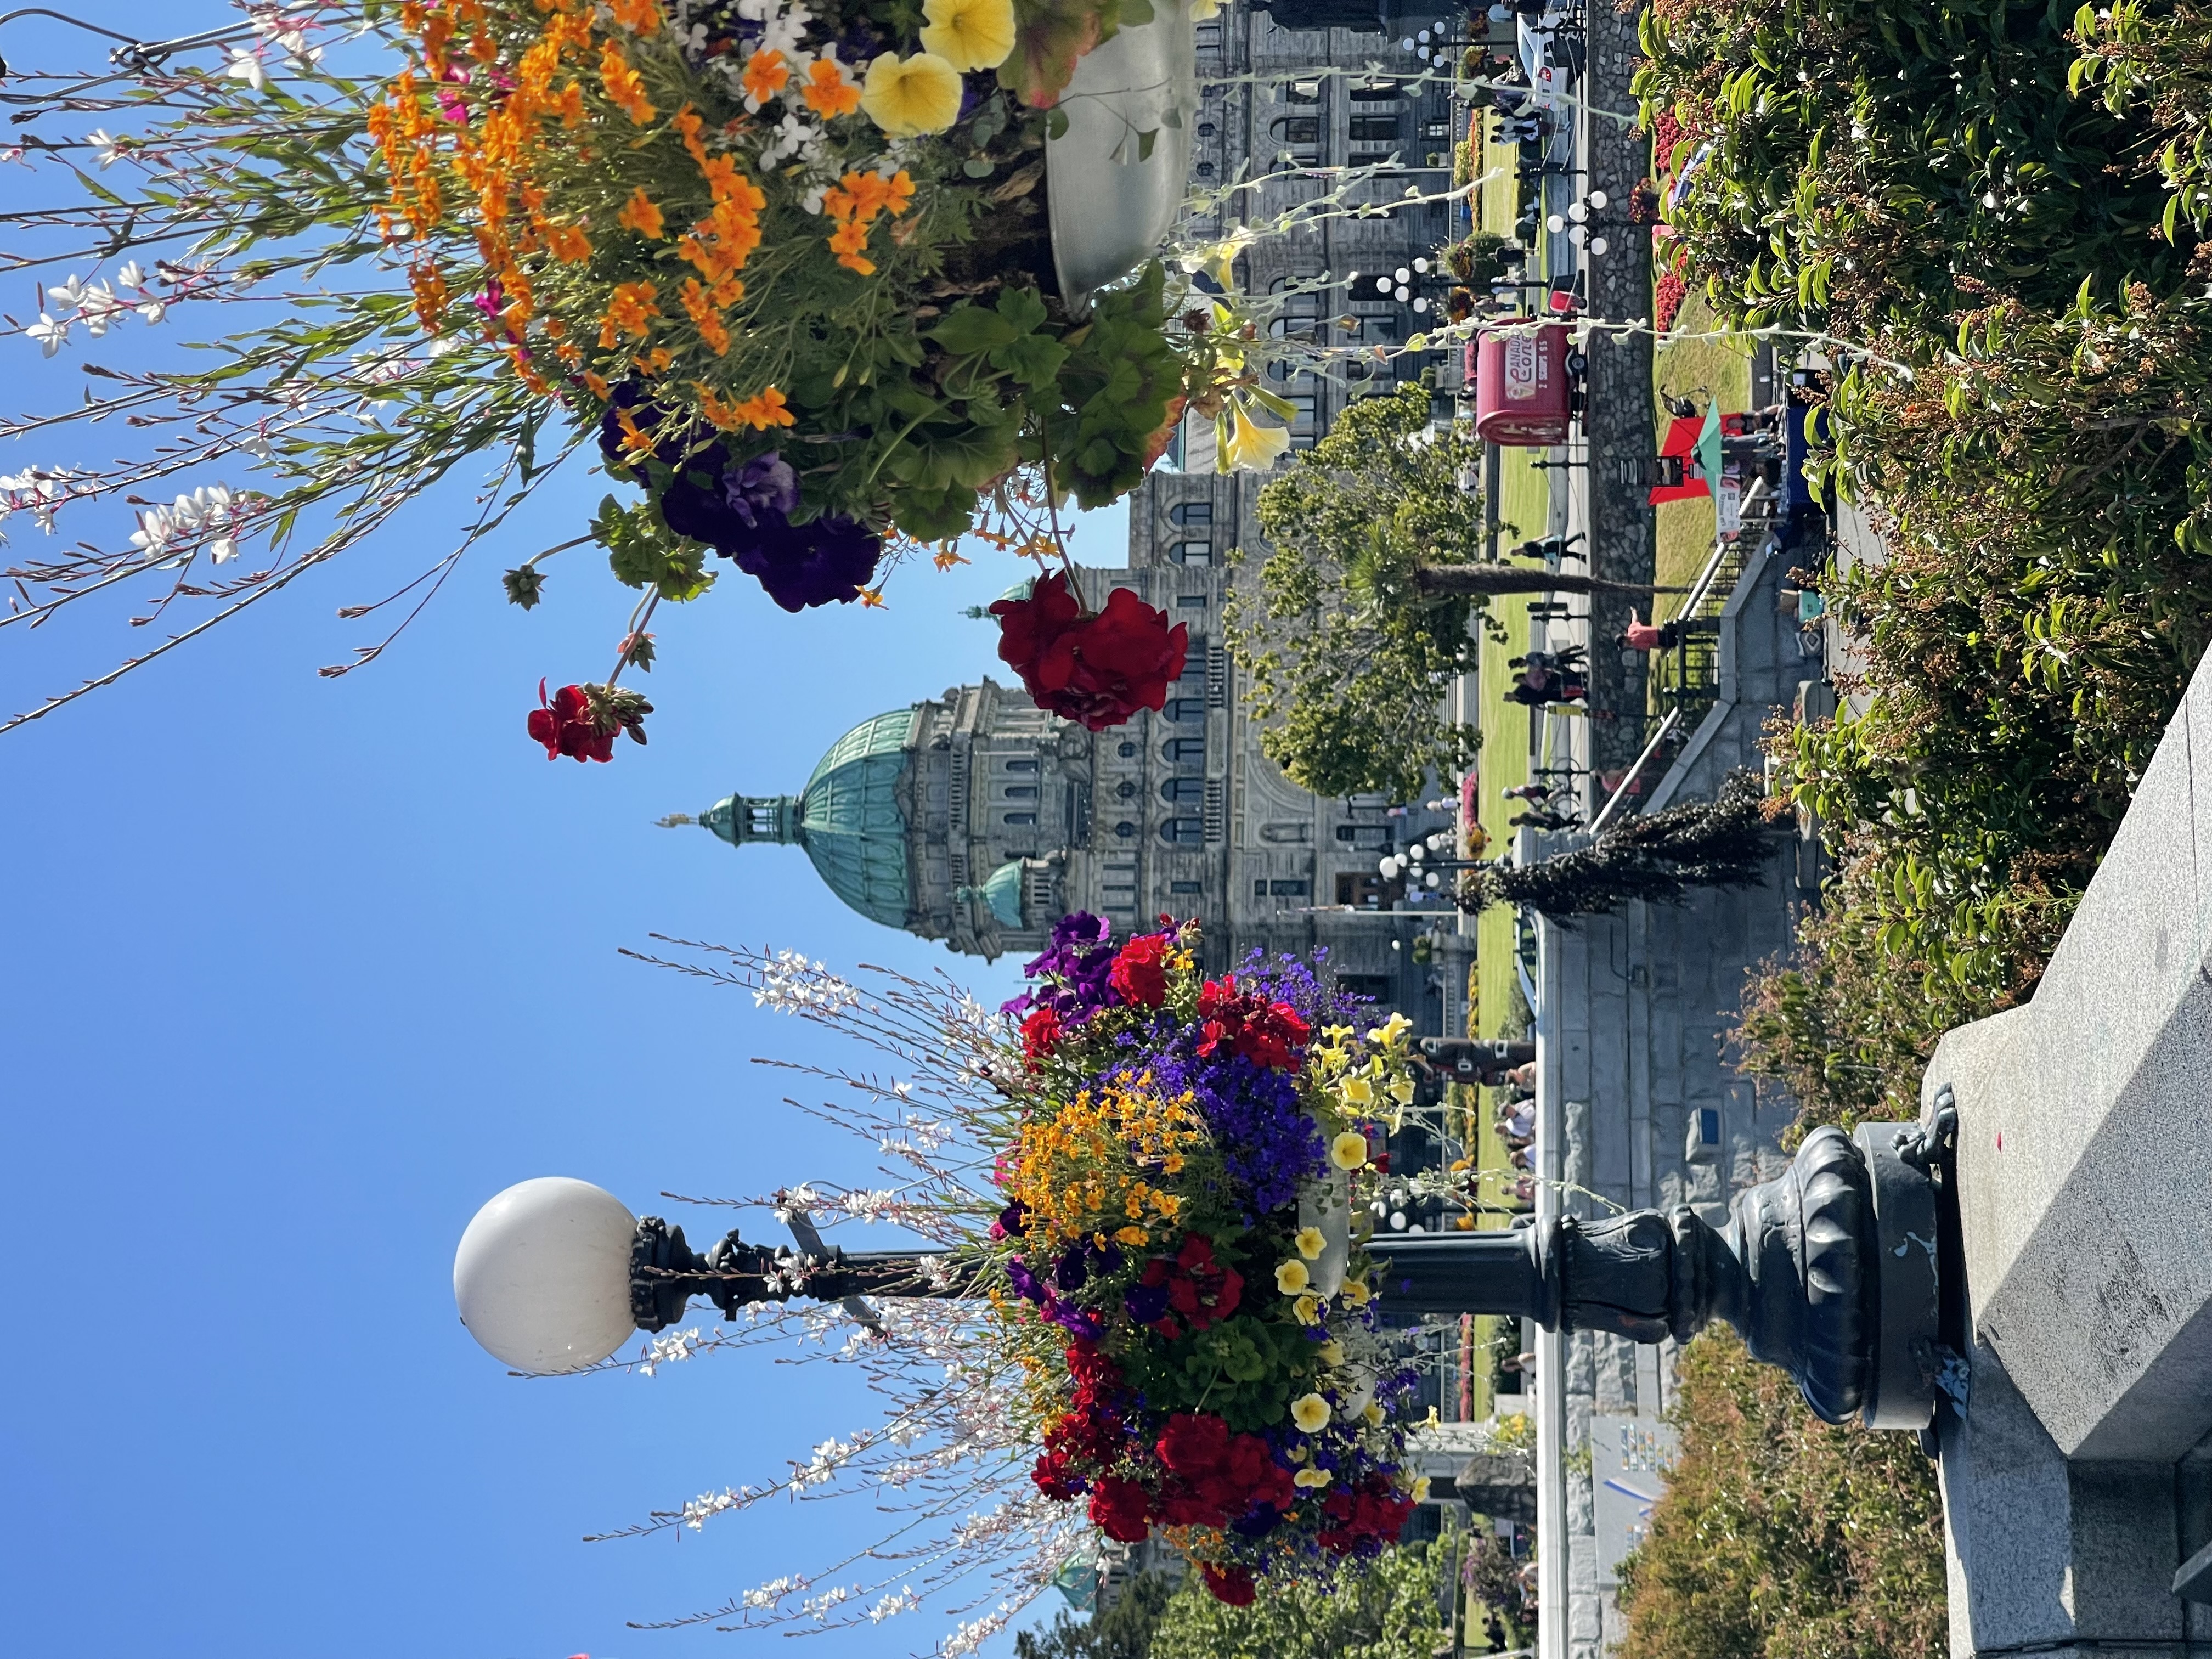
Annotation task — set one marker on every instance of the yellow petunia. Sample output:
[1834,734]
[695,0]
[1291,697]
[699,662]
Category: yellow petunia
[968,34]
[1355,1292]
[1307,1310]
[1402,1089]
[1311,1243]
[1291,1278]
[1349,1151]
[1373,1414]
[1357,1091]
[907,98]
[1242,445]
[1312,1479]
[1310,1412]
[1420,1489]
[1331,1352]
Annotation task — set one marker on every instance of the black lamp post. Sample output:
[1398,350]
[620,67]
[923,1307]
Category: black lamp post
[1828,1272]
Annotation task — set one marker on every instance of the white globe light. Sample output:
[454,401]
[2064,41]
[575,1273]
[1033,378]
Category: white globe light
[1404,293]
[1388,869]
[542,1277]
[1422,52]
[1575,235]
[1421,305]
[1435,878]
[1577,212]
[1597,246]
[1421,265]
[1405,44]
[1598,199]
[1417,1228]
[1404,275]
[1423,37]
[1555,224]
[1384,284]
[1397,1220]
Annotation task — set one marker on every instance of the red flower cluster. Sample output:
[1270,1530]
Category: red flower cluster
[1375,1511]
[1089,1438]
[1202,1290]
[565,727]
[1140,974]
[1232,1584]
[1266,1033]
[1099,669]
[1041,1034]
[1215,1477]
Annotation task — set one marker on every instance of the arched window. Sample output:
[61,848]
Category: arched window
[1125,790]
[1183,830]
[1192,553]
[1127,751]
[1183,749]
[1021,792]
[1179,710]
[1021,766]
[1206,129]
[1125,829]
[1019,818]
[1176,790]
[1189,513]
[1300,136]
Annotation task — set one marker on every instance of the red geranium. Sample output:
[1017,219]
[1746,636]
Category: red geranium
[581,720]
[1200,1288]
[1121,1509]
[1098,669]
[1375,1513]
[1139,975]
[1268,1034]
[1232,1584]
[1040,1033]
[565,727]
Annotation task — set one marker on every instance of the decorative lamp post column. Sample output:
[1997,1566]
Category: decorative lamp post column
[1829,1271]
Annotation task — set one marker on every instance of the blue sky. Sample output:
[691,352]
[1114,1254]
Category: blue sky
[299,973]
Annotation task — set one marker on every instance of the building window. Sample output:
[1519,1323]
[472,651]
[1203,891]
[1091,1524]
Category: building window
[1374,128]
[1186,887]
[1021,792]
[1364,834]
[1127,751]
[1191,602]
[1183,749]
[1189,513]
[1183,830]
[1182,789]
[1302,92]
[1204,169]
[1192,553]
[1209,37]
[1285,832]
[1179,710]
[1021,766]
[1125,829]
[1206,129]
[1375,92]
[1361,892]
[1021,818]
[1126,790]
[1300,136]
[1375,987]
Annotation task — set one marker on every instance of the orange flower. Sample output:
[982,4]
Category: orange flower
[900,195]
[638,16]
[630,313]
[597,386]
[766,74]
[830,89]
[634,442]
[764,411]
[569,106]
[655,361]
[847,242]
[639,215]
[701,305]
[566,243]
[431,295]
[625,86]
[720,411]
[689,125]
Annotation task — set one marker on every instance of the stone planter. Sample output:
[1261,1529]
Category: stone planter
[1113,196]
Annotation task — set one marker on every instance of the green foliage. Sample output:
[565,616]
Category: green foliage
[1780,1536]
[1240,1368]
[1349,658]
[1888,163]
[643,552]
[2157,63]
[1123,1630]
[1386,1608]
[2044,603]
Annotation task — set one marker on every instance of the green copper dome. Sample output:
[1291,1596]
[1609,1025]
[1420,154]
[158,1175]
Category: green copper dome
[847,818]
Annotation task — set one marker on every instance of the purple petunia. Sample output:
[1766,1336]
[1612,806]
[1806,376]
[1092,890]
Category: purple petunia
[1075,965]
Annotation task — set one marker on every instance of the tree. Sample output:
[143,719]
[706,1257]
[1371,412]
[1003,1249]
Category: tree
[1349,658]
[1123,1630]
[1722,842]
[1781,1536]
[1386,1608]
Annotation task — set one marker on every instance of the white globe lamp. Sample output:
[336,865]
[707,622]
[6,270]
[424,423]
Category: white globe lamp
[542,1277]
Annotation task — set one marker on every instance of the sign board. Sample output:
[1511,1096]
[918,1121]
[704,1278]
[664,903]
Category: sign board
[1628,1462]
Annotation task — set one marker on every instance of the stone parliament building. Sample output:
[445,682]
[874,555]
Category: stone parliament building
[976,818]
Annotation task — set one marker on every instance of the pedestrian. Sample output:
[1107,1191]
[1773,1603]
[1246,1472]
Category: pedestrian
[1552,821]
[1640,635]
[1549,549]
[1534,793]
[1566,659]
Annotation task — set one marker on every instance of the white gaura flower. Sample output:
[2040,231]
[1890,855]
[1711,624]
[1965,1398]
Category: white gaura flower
[247,66]
[99,308]
[107,150]
[64,295]
[48,333]
[154,310]
[223,549]
[132,275]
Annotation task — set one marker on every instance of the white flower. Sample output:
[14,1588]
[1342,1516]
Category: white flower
[105,149]
[223,549]
[48,333]
[133,275]
[64,295]
[247,66]
[154,310]
[98,307]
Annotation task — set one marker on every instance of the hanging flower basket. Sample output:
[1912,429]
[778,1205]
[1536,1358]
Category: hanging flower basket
[829,285]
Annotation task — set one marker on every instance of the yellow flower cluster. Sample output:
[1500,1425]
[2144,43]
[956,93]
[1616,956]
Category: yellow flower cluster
[1363,1076]
[1080,1172]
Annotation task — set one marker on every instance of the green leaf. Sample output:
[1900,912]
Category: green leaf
[1145,142]
[971,329]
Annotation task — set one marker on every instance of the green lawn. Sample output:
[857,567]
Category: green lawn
[1700,369]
